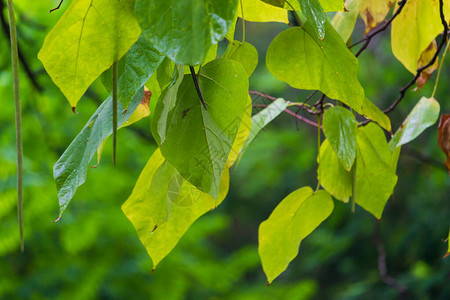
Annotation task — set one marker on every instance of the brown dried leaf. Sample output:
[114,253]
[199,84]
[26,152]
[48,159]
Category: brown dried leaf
[425,58]
[444,137]
[373,12]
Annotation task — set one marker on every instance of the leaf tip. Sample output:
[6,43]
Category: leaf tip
[153,270]
[154,228]
[268,283]
[446,255]
[73,110]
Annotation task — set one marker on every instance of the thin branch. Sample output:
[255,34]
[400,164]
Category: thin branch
[303,119]
[56,8]
[420,70]
[382,268]
[376,31]
[23,61]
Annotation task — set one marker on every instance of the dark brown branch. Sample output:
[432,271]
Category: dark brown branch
[56,8]
[382,268]
[23,62]
[420,70]
[376,31]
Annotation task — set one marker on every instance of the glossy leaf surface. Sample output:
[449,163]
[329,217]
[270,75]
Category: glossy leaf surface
[185,30]
[339,127]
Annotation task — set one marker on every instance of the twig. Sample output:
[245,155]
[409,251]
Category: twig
[376,31]
[59,5]
[382,268]
[26,67]
[307,121]
[18,117]
[420,70]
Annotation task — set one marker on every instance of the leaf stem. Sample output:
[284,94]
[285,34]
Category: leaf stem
[318,151]
[115,78]
[18,117]
[299,20]
[243,23]
[439,71]
[197,87]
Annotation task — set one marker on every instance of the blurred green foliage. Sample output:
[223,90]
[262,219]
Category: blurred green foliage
[94,252]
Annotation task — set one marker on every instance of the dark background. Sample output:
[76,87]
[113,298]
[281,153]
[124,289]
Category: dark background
[94,252]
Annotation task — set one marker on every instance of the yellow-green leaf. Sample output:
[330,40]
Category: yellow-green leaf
[88,38]
[372,112]
[302,60]
[258,11]
[242,134]
[373,12]
[291,221]
[344,21]
[414,29]
[143,208]
[448,249]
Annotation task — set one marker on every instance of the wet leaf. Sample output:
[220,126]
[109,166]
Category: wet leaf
[339,127]
[312,10]
[423,115]
[444,137]
[87,39]
[372,112]
[297,57]
[135,69]
[291,221]
[185,30]
[71,168]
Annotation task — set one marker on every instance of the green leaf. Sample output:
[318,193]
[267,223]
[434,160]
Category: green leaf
[297,57]
[261,119]
[258,11]
[88,38]
[145,207]
[375,177]
[423,115]
[135,68]
[71,168]
[339,127]
[166,103]
[244,53]
[332,175]
[375,171]
[344,21]
[292,220]
[198,141]
[185,30]
[371,111]
[316,16]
